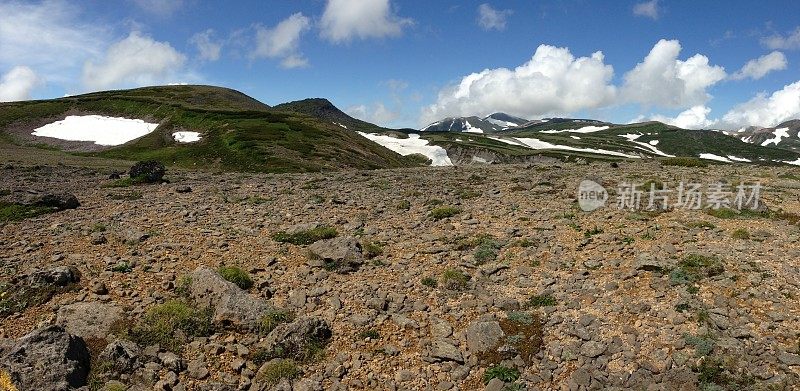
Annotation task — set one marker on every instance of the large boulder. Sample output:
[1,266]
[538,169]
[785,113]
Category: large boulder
[484,337]
[56,276]
[47,359]
[342,254]
[232,306]
[150,171]
[59,201]
[124,356]
[297,340]
[89,320]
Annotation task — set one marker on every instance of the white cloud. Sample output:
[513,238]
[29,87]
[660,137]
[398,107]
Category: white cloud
[18,83]
[695,117]
[553,81]
[648,9]
[779,41]
[208,47]
[663,80]
[163,8]
[134,61]
[378,113]
[49,37]
[492,19]
[344,20]
[759,67]
[763,110]
[283,41]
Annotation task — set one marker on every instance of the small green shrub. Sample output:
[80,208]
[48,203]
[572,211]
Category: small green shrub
[17,212]
[703,345]
[741,233]
[371,250]
[272,319]
[277,370]
[183,286]
[506,374]
[537,301]
[306,237]
[430,282]
[403,205]
[127,182]
[444,212]
[454,279]
[122,267]
[520,317]
[161,322]
[236,275]
[371,334]
[684,162]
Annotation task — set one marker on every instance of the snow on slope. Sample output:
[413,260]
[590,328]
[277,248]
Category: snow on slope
[107,131]
[186,137]
[711,156]
[779,134]
[585,129]
[500,123]
[650,147]
[471,129]
[411,145]
[534,143]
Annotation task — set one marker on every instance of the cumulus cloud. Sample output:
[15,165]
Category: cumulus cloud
[283,41]
[18,83]
[492,19]
[696,117]
[377,113]
[48,36]
[766,110]
[759,67]
[553,81]
[207,46]
[648,9]
[344,20]
[786,42]
[135,60]
[664,80]
[164,8]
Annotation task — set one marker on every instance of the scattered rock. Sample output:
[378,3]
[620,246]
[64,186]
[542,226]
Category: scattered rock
[47,359]
[89,319]
[342,254]
[150,171]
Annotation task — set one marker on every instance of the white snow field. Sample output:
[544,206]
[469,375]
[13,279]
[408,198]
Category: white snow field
[411,145]
[106,131]
[186,137]
[534,143]
[711,156]
[585,129]
[779,134]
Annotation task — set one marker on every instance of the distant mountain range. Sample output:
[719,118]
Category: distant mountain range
[235,132]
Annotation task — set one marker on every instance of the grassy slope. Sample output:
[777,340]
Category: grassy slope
[239,133]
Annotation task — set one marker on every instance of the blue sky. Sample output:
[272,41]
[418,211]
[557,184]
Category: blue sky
[406,63]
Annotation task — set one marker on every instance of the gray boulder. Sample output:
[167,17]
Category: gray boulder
[123,356]
[232,306]
[58,276]
[483,337]
[342,254]
[47,359]
[89,320]
[296,339]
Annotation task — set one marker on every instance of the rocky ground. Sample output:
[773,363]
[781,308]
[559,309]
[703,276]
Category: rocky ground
[455,278]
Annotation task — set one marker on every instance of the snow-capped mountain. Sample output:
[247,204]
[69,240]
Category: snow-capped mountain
[493,123]
[784,135]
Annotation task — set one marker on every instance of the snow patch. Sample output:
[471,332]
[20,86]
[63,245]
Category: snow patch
[411,145]
[711,156]
[739,159]
[794,163]
[500,123]
[534,143]
[653,142]
[779,134]
[575,137]
[101,130]
[186,137]
[585,129]
[650,147]
[471,129]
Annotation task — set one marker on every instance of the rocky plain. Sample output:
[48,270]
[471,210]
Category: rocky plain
[452,278]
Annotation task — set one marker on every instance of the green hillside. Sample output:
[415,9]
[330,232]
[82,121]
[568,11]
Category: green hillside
[238,132]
